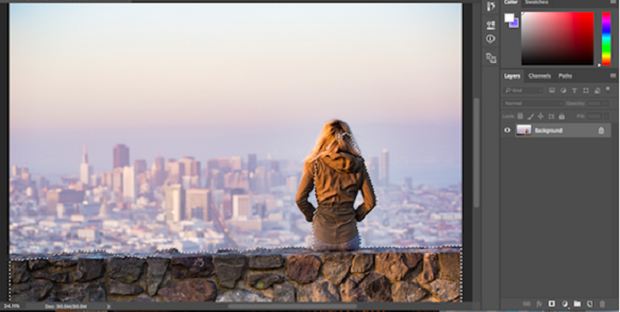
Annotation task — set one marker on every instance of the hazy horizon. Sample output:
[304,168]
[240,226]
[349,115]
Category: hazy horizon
[221,80]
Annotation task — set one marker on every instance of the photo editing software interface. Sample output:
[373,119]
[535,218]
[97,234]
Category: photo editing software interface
[420,155]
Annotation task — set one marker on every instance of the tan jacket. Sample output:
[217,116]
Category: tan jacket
[339,176]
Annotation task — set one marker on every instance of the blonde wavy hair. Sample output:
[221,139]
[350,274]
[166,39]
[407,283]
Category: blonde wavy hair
[336,136]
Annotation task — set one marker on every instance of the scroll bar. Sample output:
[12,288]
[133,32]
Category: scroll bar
[476,164]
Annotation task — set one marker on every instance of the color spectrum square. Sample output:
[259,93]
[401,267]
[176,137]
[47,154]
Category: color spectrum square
[557,38]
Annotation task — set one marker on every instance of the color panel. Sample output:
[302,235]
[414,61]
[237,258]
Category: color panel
[557,38]
[606,39]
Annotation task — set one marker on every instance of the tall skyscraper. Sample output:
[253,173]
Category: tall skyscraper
[241,206]
[175,203]
[130,187]
[86,169]
[16,171]
[235,163]
[121,156]
[291,184]
[117,180]
[251,162]
[58,196]
[198,200]
[224,164]
[192,171]
[140,165]
[158,163]
[176,172]
[187,165]
[385,167]
[158,172]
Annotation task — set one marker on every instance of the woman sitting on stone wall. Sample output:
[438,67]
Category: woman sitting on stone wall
[336,169]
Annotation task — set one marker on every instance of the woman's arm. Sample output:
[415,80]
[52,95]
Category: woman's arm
[305,187]
[368,193]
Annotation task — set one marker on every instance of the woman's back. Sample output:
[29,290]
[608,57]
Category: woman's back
[337,177]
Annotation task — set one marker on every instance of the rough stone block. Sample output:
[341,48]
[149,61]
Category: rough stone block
[335,266]
[284,293]
[88,269]
[19,272]
[322,291]
[362,263]
[265,280]
[156,269]
[95,292]
[185,266]
[126,270]
[242,295]
[303,269]
[119,288]
[191,290]
[37,264]
[58,277]
[450,264]
[229,268]
[373,287]
[393,265]
[431,268]
[445,289]
[272,261]
[407,292]
[31,292]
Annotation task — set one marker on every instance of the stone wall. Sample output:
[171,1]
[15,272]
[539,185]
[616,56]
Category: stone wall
[269,275]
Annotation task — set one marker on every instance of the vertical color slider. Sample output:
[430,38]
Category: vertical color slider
[606,39]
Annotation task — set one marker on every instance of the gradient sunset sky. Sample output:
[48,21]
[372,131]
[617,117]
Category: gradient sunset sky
[104,73]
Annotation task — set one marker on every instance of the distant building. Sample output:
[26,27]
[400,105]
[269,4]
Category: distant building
[259,180]
[158,163]
[191,166]
[55,197]
[235,163]
[175,203]
[117,180]
[140,165]
[158,172]
[201,199]
[107,179]
[241,206]
[409,183]
[25,174]
[251,162]
[16,171]
[385,167]
[259,209]
[291,184]
[224,164]
[42,182]
[245,224]
[103,209]
[121,156]
[86,169]
[217,197]
[237,180]
[95,180]
[88,234]
[130,186]
[176,172]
